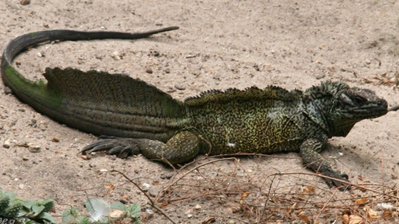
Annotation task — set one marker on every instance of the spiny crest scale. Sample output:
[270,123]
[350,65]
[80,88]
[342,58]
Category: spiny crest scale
[117,91]
[327,88]
[250,93]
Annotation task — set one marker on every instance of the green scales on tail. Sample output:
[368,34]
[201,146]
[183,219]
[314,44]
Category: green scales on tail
[143,119]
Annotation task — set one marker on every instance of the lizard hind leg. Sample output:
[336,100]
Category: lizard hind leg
[181,148]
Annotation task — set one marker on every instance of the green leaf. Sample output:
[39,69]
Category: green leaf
[4,201]
[70,216]
[47,218]
[84,220]
[48,204]
[27,212]
[13,210]
[37,209]
[134,212]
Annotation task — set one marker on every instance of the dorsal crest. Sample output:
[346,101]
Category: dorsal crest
[327,88]
[117,92]
[272,93]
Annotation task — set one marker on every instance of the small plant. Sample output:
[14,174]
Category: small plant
[103,213]
[28,212]
[18,211]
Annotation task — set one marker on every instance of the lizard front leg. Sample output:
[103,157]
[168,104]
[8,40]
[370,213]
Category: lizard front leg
[181,148]
[312,160]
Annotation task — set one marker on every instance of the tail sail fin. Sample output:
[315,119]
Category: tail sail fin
[118,93]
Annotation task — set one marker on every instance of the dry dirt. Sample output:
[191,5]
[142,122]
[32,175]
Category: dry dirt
[220,44]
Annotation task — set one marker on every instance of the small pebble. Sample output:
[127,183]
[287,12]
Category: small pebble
[7,143]
[180,87]
[33,147]
[55,139]
[117,215]
[167,175]
[40,54]
[154,53]
[149,71]
[149,212]
[320,76]
[189,213]
[145,186]
[85,157]
[24,2]
[117,55]
[153,192]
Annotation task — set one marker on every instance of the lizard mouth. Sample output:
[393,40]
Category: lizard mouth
[394,108]
[370,110]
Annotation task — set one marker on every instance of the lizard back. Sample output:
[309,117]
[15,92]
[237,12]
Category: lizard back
[252,120]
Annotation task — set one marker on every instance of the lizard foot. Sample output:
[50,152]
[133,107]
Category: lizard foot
[337,180]
[120,147]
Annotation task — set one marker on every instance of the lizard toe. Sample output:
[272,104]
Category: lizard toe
[97,147]
[122,148]
[339,181]
[88,149]
[122,151]
[344,176]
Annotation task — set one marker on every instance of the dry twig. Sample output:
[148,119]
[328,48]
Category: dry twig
[152,202]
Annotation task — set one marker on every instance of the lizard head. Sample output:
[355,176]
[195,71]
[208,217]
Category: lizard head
[341,106]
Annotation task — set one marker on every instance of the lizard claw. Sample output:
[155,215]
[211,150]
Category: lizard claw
[337,180]
[122,148]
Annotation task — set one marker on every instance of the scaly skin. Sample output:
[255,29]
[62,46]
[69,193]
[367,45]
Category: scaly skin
[145,120]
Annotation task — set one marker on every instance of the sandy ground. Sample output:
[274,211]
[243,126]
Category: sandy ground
[221,44]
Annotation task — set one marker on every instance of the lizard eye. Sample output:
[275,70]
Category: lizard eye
[359,100]
[345,99]
[352,100]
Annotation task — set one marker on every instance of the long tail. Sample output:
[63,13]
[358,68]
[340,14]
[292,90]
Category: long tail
[95,102]
[12,78]
[25,41]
